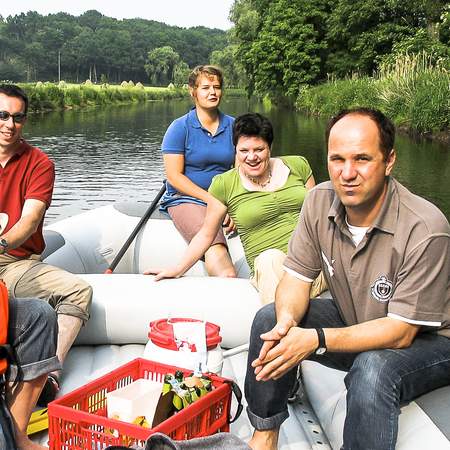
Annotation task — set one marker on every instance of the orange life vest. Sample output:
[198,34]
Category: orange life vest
[3,326]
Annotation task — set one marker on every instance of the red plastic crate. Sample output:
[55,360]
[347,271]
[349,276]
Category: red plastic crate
[78,420]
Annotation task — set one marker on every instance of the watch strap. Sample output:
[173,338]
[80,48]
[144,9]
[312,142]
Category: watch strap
[321,336]
[3,245]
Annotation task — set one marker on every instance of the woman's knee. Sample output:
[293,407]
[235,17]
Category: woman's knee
[218,262]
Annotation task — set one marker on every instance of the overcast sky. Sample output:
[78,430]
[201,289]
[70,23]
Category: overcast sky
[183,13]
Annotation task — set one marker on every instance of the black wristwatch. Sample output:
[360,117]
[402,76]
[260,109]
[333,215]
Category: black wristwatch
[322,347]
[3,246]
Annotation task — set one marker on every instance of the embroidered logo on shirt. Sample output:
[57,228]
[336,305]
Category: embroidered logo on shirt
[381,289]
[329,266]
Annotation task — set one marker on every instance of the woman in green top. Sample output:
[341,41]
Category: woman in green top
[263,196]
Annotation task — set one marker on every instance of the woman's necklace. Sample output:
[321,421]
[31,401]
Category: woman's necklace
[257,182]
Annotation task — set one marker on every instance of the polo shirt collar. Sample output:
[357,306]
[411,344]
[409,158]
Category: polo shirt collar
[336,213]
[193,120]
[21,149]
[387,217]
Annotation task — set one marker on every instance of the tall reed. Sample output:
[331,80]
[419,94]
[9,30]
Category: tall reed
[414,91]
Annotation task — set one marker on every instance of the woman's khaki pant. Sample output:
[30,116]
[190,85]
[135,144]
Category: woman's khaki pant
[268,271]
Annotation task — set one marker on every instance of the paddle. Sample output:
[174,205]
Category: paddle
[136,230]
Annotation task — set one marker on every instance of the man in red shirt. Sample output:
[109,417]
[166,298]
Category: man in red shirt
[26,185]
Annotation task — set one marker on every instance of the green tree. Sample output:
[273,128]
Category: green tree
[360,37]
[281,44]
[245,14]
[234,73]
[161,64]
[12,70]
[444,26]
[93,44]
[180,73]
[114,59]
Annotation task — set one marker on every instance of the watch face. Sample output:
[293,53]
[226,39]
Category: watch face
[321,351]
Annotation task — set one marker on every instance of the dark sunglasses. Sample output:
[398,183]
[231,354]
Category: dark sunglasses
[17,118]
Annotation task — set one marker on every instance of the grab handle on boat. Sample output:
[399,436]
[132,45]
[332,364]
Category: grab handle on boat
[234,351]
[238,394]
[136,230]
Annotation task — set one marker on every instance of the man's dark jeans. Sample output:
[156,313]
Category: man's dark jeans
[377,382]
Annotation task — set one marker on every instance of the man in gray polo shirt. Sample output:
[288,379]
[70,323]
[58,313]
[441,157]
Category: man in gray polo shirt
[385,253]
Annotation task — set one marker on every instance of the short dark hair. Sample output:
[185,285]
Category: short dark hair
[386,129]
[11,90]
[253,124]
[208,70]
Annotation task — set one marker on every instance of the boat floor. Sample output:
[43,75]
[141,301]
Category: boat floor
[301,431]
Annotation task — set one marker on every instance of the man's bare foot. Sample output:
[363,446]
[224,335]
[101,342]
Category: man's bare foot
[24,443]
[264,440]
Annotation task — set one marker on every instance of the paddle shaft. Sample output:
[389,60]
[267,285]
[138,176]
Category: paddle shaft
[136,230]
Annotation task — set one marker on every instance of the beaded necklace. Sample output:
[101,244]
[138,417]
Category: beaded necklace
[257,182]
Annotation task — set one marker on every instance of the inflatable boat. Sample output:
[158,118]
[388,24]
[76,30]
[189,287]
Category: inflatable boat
[125,302]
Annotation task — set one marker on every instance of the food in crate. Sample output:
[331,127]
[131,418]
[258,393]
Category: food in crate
[79,419]
[147,403]
[178,392]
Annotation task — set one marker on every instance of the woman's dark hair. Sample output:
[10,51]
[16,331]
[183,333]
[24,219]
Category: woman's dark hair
[253,125]
[386,129]
[11,90]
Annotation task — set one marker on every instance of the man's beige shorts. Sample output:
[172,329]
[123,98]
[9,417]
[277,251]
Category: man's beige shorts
[65,292]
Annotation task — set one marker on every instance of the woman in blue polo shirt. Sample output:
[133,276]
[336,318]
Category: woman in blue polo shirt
[196,147]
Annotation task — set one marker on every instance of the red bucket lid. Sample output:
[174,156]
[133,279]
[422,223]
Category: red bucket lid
[161,333]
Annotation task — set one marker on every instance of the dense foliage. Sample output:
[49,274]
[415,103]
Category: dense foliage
[92,46]
[413,91]
[284,45]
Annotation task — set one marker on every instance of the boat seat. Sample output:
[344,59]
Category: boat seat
[423,423]
[123,306]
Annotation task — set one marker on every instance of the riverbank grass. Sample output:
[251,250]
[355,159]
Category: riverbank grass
[413,91]
[56,96]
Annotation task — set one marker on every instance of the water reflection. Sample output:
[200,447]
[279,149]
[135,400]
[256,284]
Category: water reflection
[104,155]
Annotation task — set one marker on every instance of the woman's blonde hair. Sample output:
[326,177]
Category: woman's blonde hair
[207,70]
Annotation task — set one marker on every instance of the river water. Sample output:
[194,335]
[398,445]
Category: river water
[104,155]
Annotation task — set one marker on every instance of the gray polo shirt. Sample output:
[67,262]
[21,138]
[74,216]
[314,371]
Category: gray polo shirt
[400,269]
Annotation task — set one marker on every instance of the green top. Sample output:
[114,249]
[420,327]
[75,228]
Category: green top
[264,219]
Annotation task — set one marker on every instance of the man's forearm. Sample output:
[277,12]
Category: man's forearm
[32,214]
[292,298]
[20,232]
[372,335]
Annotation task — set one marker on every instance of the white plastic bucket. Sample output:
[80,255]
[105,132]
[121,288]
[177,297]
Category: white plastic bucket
[162,347]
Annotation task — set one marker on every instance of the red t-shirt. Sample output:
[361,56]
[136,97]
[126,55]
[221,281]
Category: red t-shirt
[29,174]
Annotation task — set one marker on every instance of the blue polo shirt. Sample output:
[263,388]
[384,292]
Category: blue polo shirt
[205,155]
